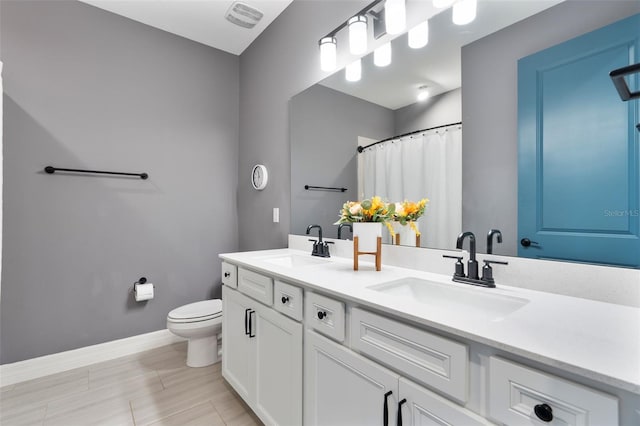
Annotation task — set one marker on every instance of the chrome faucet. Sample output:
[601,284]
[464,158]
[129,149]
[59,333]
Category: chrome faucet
[342,225]
[320,248]
[472,264]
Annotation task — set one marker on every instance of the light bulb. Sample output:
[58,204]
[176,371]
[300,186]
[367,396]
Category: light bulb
[464,11]
[328,53]
[353,71]
[423,93]
[441,4]
[395,16]
[382,55]
[419,35]
[358,35]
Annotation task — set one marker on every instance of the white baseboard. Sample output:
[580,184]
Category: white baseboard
[55,363]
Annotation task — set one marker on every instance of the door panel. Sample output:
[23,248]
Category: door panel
[279,368]
[238,355]
[578,160]
[358,400]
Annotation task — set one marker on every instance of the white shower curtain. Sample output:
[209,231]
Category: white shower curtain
[427,164]
[1,173]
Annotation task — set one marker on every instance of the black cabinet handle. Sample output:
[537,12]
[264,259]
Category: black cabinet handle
[227,274]
[385,411]
[251,325]
[544,412]
[525,242]
[321,315]
[399,419]
[246,321]
[284,299]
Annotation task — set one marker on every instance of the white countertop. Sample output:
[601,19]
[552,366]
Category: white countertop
[597,340]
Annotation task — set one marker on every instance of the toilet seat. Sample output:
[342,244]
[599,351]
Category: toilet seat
[196,312]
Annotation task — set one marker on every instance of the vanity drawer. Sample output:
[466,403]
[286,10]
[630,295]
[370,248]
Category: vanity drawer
[288,299]
[257,286]
[325,315]
[516,393]
[229,275]
[438,363]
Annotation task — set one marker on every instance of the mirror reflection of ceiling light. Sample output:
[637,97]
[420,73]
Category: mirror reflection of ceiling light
[464,11]
[419,35]
[358,34]
[328,53]
[441,4]
[382,55]
[353,71]
[395,16]
[423,93]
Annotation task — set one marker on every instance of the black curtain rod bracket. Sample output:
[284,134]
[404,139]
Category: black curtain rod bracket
[360,149]
[51,170]
[323,188]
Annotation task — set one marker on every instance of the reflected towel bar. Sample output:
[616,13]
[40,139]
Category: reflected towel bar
[323,188]
[51,170]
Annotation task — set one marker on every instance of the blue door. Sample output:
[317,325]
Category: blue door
[578,152]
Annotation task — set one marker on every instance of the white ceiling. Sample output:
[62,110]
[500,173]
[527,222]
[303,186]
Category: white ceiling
[199,20]
[437,65]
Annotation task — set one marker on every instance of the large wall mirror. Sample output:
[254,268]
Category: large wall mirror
[329,120]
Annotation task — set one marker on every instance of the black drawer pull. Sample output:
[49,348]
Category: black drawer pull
[227,274]
[284,299]
[321,315]
[399,419]
[385,411]
[251,325]
[246,321]
[544,412]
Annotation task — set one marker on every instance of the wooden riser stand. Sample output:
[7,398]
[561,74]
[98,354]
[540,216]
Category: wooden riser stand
[397,240]
[377,253]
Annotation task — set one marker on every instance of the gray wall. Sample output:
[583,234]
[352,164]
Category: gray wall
[282,62]
[489,108]
[443,109]
[85,88]
[325,125]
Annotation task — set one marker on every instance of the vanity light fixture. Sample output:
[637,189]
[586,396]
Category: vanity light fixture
[423,93]
[353,71]
[382,55]
[358,34]
[328,53]
[464,11]
[395,16]
[419,35]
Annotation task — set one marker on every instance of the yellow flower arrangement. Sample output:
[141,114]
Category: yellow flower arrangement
[409,212]
[369,210]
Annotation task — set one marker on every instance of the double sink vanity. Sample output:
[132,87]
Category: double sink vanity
[310,341]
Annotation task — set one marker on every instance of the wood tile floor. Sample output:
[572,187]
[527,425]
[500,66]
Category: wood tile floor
[149,388]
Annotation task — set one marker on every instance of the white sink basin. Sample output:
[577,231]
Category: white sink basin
[474,302]
[294,260]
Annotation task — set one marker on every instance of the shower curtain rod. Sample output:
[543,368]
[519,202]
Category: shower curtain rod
[362,148]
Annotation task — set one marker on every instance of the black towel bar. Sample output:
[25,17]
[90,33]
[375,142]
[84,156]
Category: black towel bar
[51,170]
[323,188]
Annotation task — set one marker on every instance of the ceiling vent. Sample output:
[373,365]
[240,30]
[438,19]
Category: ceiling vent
[243,15]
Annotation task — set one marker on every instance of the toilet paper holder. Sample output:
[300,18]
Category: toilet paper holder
[143,295]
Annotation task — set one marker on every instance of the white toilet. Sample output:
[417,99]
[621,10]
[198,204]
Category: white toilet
[201,324]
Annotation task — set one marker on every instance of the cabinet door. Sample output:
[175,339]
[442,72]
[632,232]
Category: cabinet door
[279,368]
[343,388]
[238,354]
[424,408]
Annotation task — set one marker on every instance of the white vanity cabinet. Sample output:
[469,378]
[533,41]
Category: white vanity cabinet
[342,387]
[262,355]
